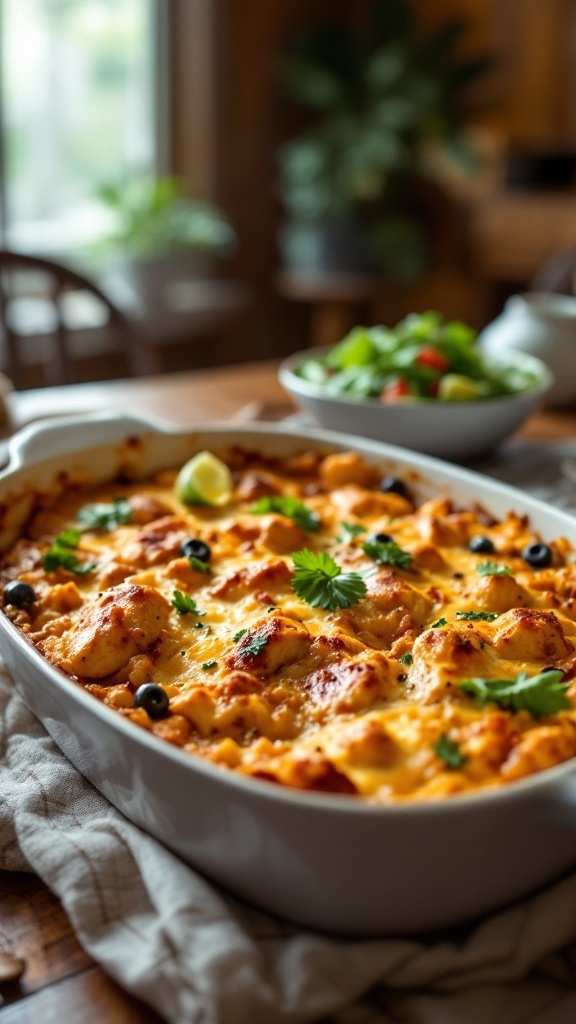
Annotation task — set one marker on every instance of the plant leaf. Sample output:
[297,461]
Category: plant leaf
[387,553]
[320,581]
[542,694]
[493,569]
[290,507]
[102,516]
[184,604]
[449,751]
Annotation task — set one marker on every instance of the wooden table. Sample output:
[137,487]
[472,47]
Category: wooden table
[61,981]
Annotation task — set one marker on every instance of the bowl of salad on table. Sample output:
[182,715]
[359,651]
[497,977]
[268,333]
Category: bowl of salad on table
[424,384]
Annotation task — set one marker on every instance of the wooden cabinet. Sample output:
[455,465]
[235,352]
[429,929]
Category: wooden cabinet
[513,234]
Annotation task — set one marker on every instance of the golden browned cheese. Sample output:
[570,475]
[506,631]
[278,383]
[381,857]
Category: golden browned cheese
[363,699]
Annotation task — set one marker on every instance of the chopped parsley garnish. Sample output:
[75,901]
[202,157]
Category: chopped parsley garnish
[320,582]
[239,634]
[387,553]
[290,507]
[197,563]
[477,616]
[255,645]
[449,751]
[207,665]
[102,516]
[406,659]
[61,553]
[542,694]
[439,622]
[184,604]
[69,538]
[493,569]
[349,531]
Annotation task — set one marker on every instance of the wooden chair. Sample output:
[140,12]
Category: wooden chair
[57,344]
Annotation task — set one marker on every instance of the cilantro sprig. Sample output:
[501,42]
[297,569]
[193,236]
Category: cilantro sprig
[184,604]
[493,569]
[448,750]
[198,564]
[103,516]
[387,553]
[349,531]
[254,645]
[477,616]
[542,694]
[61,554]
[320,582]
[69,538]
[290,507]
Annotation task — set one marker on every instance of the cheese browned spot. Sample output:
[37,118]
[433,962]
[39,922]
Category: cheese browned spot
[350,698]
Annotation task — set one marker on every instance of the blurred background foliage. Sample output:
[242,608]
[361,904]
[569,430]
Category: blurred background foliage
[377,96]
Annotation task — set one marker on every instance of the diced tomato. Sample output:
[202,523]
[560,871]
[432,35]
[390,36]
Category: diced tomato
[395,391]
[433,358]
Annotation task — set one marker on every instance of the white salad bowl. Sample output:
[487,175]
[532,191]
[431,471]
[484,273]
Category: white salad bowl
[329,862]
[450,430]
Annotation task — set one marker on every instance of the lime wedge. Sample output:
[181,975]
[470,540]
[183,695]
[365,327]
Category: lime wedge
[204,480]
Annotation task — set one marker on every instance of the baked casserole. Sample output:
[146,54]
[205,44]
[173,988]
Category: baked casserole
[320,628]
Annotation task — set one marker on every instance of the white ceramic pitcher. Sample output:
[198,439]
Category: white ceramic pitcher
[544,325]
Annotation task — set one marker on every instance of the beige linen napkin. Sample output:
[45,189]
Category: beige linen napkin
[196,955]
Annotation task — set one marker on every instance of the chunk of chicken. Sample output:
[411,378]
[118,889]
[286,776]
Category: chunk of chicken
[146,508]
[156,542]
[271,574]
[256,484]
[351,684]
[443,656]
[390,608]
[272,643]
[281,535]
[121,623]
[359,501]
[496,593]
[275,532]
[348,468]
[527,634]
[366,743]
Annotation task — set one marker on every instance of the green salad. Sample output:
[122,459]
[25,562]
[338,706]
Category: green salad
[422,358]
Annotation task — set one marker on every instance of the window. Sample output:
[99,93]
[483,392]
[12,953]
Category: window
[78,108]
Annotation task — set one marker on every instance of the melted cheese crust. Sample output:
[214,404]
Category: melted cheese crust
[353,700]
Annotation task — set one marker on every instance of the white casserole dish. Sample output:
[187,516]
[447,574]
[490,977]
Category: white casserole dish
[325,861]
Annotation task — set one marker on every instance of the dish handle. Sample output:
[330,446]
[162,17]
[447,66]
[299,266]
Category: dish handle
[66,434]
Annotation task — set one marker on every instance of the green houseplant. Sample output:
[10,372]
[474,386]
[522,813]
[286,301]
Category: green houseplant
[159,235]
[155,219]
[379,94]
